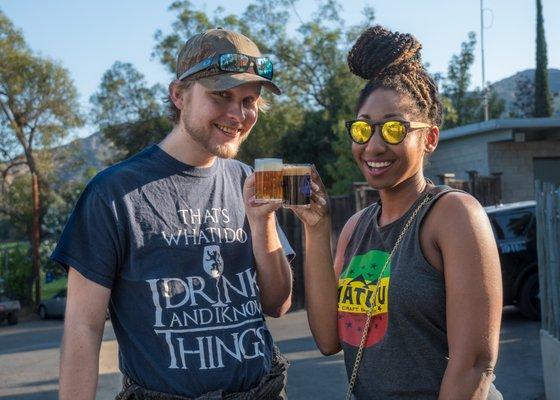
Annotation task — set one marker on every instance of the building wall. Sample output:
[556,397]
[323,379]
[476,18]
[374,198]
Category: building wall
[515,161]
[463,154]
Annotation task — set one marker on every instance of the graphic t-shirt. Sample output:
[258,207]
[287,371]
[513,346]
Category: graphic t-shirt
[406,348]
[173,244]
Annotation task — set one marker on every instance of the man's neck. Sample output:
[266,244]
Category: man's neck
[181,146]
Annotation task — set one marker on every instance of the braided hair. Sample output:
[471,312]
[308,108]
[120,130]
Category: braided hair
[392,61]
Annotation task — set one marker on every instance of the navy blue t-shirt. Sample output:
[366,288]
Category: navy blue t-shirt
[173,244]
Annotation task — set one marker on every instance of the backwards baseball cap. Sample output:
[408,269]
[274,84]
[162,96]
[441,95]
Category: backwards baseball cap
[203,53]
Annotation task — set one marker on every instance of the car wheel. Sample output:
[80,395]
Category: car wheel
[13,318]
[529,301]
[43,312]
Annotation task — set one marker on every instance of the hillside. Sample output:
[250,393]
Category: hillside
[505,88]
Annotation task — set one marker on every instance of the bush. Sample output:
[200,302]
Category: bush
[16,268]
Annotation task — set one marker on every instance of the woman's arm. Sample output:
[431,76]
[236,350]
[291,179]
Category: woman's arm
[321,288]
[473,295]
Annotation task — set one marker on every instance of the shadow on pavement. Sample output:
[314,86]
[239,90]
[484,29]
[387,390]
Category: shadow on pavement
[310,376]
[519,373]
[107,388]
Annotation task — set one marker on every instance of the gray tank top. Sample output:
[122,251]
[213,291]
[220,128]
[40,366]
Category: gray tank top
[406,350]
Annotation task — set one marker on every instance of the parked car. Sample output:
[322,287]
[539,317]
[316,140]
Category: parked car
[515,230]
[53,307]
[9,309]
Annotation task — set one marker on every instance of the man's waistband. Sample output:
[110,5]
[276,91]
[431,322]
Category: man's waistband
[271,387]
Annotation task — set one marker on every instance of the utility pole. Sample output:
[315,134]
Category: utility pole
[484,92]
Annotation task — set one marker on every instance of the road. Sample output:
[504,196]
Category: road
[29,355]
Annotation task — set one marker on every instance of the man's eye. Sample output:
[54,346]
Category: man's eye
[222,94]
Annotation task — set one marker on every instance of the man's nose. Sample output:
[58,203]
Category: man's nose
[236,111]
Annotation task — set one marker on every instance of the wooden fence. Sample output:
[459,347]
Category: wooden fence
[548,234]
[486,189]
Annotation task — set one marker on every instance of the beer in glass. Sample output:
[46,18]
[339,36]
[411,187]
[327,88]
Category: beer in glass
[268,180]
[297,184]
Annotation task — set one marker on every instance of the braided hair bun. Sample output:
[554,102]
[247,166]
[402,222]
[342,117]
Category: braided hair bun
[392,60]
[379,52]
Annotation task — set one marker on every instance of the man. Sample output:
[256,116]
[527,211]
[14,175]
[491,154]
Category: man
[171,241]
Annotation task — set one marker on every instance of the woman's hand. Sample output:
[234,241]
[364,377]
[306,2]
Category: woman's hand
[318,213]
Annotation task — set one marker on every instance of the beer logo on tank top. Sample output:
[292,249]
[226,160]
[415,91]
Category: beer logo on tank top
[356,295]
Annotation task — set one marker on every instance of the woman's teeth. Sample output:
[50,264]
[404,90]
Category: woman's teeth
[373,164]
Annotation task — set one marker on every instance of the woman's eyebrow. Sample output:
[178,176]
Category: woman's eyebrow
[390,115]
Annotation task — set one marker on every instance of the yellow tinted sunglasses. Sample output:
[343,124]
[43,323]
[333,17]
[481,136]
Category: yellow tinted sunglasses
[392,131]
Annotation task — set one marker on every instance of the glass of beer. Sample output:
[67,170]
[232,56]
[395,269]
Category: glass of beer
[268,180]
[297,184]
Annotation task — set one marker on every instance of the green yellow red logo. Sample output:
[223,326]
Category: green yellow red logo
[357,293]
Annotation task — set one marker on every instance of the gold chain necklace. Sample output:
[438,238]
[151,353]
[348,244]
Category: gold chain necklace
[371,309]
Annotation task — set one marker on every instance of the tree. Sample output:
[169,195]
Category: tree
[524,94]
[543,101]
[38,106]
[128,111]
[461,106]
[310,66]
[456,84]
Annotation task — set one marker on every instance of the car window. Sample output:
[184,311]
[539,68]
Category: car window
[511,225]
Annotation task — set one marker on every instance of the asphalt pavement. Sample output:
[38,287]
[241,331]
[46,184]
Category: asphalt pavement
[29,357]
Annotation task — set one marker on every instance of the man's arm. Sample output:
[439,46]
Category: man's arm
[84,321]
[473,288]
[274,274]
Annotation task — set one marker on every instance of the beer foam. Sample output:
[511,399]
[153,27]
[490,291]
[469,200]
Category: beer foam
[296,170]
[268,164]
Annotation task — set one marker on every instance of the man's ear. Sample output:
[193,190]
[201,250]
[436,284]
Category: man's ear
[431,140]
[176,94]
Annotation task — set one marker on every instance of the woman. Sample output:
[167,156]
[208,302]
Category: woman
[435,304]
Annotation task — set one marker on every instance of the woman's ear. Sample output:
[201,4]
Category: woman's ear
[431,140]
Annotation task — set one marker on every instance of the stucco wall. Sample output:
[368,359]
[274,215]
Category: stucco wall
[463,154]
[515,161]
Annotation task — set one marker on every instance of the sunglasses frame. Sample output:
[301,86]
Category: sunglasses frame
[409,126]
[213,62]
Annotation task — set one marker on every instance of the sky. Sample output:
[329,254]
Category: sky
[87,37]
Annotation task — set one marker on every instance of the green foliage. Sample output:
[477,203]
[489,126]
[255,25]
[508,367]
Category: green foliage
[128,112]
[456,85]
[319,91]
[543,100]
[16,268]
[17,271]
[461,106]
[38,107]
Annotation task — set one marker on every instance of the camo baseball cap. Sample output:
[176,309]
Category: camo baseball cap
[219,41]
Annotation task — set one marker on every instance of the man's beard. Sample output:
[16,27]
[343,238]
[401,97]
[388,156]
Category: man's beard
[204,139]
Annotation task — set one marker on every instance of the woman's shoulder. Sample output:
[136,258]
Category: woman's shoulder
[453,212]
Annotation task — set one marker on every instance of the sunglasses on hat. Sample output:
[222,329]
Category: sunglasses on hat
[392,131]
[232,62]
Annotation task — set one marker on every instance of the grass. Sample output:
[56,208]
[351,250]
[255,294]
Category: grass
[52,288]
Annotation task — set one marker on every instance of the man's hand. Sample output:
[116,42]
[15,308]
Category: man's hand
[256,212]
